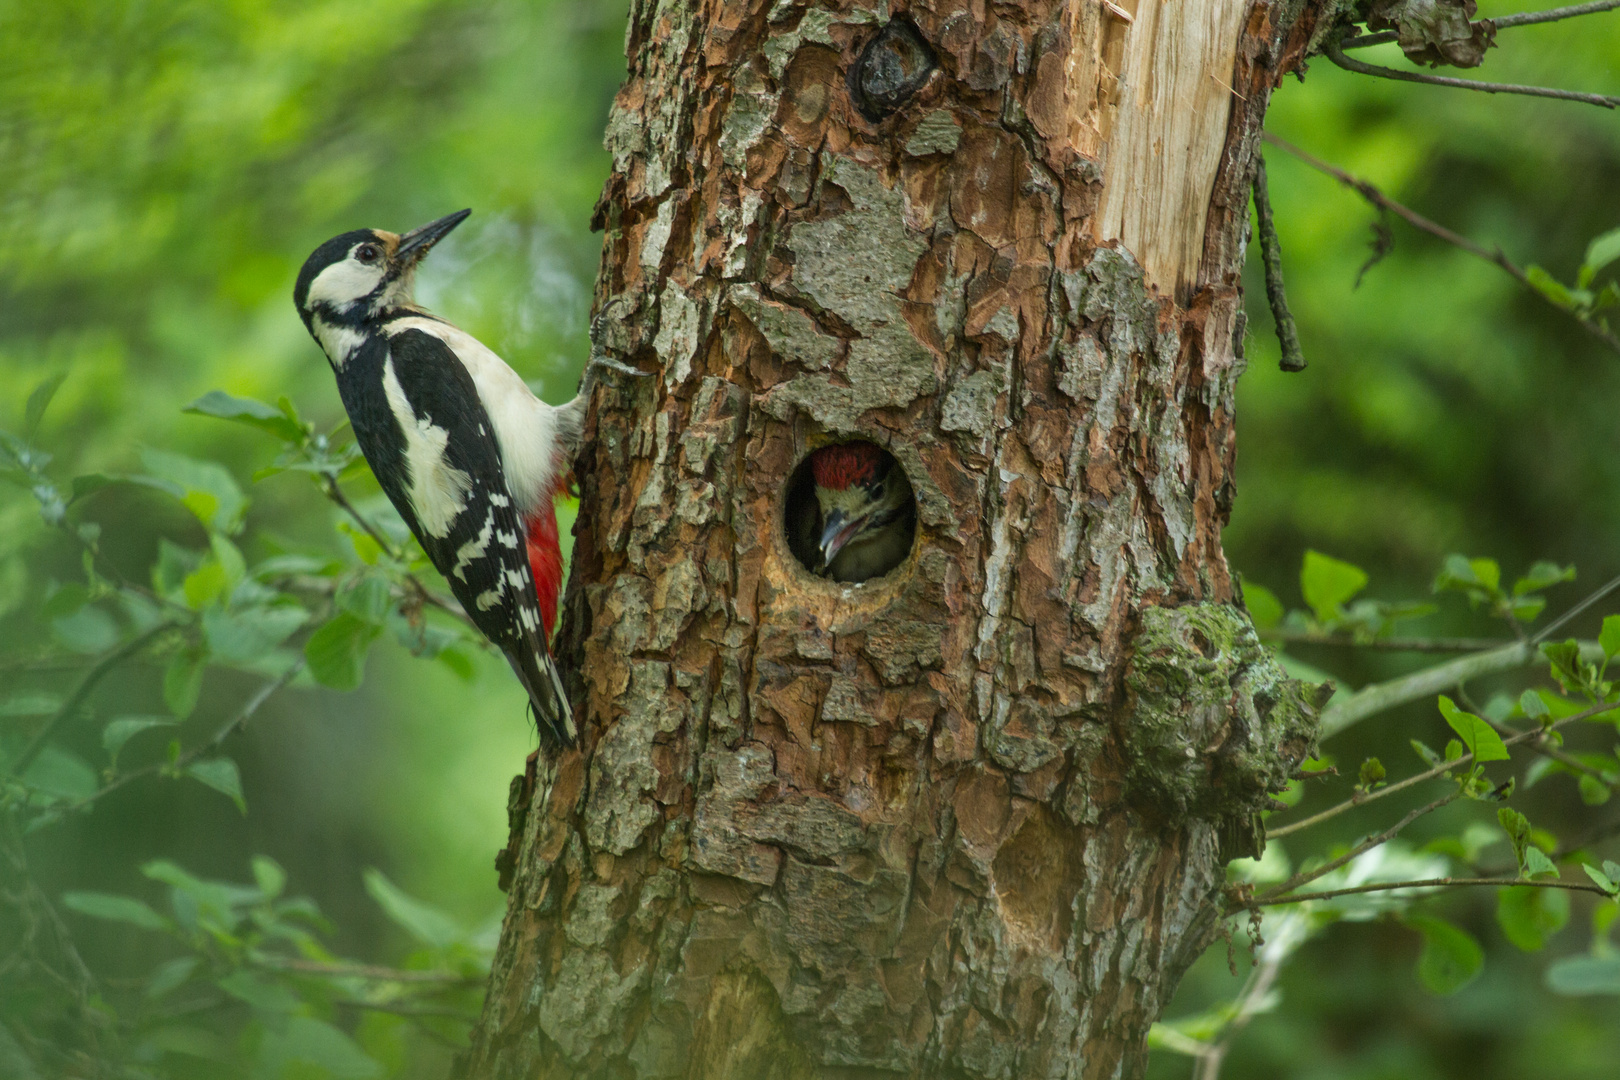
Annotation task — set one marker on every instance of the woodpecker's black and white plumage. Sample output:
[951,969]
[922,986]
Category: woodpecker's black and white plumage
[470,458]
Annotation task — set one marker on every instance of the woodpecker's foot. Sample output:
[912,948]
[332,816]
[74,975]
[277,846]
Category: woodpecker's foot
[517,816]
[599,360]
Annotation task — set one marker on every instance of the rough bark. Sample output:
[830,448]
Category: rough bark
[970,819]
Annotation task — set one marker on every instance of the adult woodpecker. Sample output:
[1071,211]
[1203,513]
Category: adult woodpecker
[865,510]
[470,458]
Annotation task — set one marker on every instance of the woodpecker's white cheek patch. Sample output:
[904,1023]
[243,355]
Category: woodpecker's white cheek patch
[438,490]
[340,285]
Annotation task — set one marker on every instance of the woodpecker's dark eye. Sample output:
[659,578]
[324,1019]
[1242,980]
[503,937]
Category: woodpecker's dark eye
[368,253]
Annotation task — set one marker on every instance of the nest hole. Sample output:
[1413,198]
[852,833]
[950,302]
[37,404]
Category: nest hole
[849,512]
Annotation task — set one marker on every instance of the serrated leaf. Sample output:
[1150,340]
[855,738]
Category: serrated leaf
[223,406]
[1600,879]
[248,634]
[114,908]
[425,923]
[1326,583]
[38,401]
[1529,916]
[1477,736]
[1451,957]
[1542,575]
[222,775]
[337,651]
[1536,863]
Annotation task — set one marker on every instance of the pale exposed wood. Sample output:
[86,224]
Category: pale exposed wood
[1150,96]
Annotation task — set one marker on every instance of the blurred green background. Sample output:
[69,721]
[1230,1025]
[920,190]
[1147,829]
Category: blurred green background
[165,167]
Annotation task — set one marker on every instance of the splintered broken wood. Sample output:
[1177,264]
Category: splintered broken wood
[964,820]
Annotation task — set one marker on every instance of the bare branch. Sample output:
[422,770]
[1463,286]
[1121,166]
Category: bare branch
[1425,645]
[1336,54]
[1428,883]
[1293,357]
[1418,221]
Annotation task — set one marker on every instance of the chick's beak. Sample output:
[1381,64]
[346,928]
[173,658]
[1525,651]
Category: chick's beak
[837,531]
[415,244]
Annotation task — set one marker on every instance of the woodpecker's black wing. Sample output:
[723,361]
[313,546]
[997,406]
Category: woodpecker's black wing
[418,419]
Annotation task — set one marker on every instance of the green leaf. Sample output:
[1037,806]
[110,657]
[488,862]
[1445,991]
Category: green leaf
[1529,916]
[307,1047]
[38,401]
[1594,792]
[1533,705]
[218,403]
[222,775]
[1602,251]
[425,923]
[337,651]
[204,585]
[368,550]
[1609,636]
[64,600]
[1426,752]
[248,634]
[269,875]
[1536,863]
[182,682]
[1550,287]
[209,490]
[1326,583]
[1601,880]
[114,908]
[120,730]
[1542,575]
[1479,737]
[1372,773]
[31,703]
[1265,610]
[367,599]
[1451,957]
[1582,976]
[260,994]
[61,773]
[170,976]
[459,663]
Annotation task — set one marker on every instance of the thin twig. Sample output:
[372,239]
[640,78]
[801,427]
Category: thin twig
[75,701]
[1258,985]
[1336,54]
[1506,22]
[1593,597]
[1307,876]
[335,493]
[368,971]
[1428,883]
[1546,750]
[1383,202]
[1293,357]
[1437,645]
[237,720]
[1362,798]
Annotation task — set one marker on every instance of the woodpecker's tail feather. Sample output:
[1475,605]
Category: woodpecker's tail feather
[552,716]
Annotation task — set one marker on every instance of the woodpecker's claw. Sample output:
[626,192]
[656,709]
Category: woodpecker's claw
[599,360]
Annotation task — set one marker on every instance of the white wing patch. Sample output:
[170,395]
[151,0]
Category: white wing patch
[474,548]
[487,599]
[438,490]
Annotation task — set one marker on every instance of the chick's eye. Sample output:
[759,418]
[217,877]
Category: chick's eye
[368,253]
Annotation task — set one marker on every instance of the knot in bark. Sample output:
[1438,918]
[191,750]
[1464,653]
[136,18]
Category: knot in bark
[1212,726]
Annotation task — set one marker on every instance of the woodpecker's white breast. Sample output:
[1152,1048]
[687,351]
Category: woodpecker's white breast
[525,427]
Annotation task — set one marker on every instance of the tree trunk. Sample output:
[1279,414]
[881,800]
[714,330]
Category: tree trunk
[968,819]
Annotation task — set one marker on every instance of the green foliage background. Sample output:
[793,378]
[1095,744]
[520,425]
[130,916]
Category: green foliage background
[165,167]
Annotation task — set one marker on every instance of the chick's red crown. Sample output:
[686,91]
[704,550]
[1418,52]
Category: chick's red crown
[838,466]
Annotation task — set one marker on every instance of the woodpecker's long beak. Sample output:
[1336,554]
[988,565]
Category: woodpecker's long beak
[837,531]
[415,244]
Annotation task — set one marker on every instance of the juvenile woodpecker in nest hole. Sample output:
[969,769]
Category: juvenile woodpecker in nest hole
[470,458]
[864,512]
